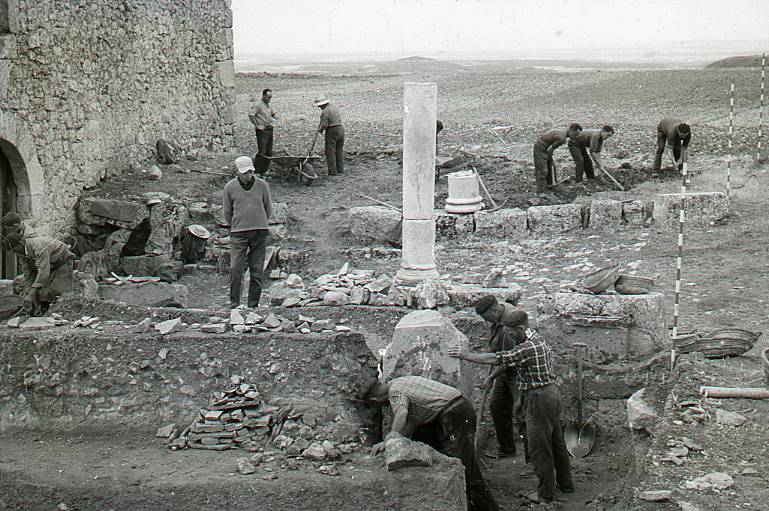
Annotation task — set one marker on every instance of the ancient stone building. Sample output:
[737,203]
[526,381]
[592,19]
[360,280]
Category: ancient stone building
[88,86]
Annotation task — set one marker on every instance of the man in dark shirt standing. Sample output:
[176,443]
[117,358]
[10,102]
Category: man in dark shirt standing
[507,330]
[247,209]
[673,137]
[542,406]
[579,145]
[549,141]
[331,123]
[438,415]
[262,121]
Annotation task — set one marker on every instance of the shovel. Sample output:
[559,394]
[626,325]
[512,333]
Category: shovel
[579,436]
[494,205]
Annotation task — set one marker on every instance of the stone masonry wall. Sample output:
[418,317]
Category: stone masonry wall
[97,82]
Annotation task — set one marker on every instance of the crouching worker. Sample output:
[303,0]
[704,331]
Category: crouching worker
[438,415]
[46,264]
[541,406]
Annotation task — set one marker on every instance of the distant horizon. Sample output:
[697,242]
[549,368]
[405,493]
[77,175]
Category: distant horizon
[690,53]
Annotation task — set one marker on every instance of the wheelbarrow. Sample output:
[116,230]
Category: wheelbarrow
[578,435]
[295,168]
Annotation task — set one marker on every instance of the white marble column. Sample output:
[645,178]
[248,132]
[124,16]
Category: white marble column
[418,238]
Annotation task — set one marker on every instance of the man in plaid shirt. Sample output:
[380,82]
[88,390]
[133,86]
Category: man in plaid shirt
[438,415]
[542,407]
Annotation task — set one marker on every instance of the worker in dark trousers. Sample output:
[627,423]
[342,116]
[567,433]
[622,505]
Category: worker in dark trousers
[262,120]
[542,406]
[544,147]
[673,137]
[578,147]
[507,330]
[331,123]
[438,415]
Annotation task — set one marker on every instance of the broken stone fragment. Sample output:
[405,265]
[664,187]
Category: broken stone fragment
[294,280]
[241,329]
[656,495]
[322,324]
[271,321]
[167,327]
[14,322]
[163,353]
[712,481]
[431,293]
[282,442]
[359,295]
[236,318]
[245,466]
[496,278]
[335,298]
[332,452]
[345,269]
[288,326]
[640,414]
[726,418]
[342,329]
[165,431]
[214,328]
[400,452]
[329,470]
[143,326]
[275,274]
[379,285]
[314,452]
[253,318]
[39,323]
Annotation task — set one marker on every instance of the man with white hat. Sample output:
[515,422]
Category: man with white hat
[331,123]
[247,208]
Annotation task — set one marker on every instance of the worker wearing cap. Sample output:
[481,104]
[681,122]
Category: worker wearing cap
[507,330]
[579,145]
[331,123]
[438,415]
[45,262]
[193,242]
[545,146]
[262,120]
[247,209]
[542,407]
[673,137]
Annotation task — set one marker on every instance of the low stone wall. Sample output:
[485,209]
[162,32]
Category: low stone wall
[702,208]
[76,377]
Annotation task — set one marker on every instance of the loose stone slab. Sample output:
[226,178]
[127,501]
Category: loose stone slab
[605,214]
[554,219]
[701,208]
[463,296]
[152,294]
[373,223]
[401,452]
[453,224]
[420,347]
[640,414]
[504,223]
[634,213]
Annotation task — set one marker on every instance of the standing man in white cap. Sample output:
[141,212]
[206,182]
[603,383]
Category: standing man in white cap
[247,208]
[331,123]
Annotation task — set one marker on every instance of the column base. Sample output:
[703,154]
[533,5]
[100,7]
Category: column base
[414,275]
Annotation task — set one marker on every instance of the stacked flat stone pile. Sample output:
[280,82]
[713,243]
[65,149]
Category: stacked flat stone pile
[239,417]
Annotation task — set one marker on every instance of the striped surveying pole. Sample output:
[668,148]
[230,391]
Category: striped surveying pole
[761,109]
[679,262]
[731,132]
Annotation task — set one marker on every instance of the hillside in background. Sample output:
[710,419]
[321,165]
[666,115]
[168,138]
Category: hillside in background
[741,61]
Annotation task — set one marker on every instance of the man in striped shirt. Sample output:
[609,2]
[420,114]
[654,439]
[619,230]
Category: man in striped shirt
[438,415]
[542,407]
[331,123]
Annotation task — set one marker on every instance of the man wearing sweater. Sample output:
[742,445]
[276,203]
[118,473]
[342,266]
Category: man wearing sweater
[247,208]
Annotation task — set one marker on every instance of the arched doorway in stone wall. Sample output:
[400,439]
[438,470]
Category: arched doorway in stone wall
[8,203]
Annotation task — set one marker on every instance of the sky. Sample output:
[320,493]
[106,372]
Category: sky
[433,27]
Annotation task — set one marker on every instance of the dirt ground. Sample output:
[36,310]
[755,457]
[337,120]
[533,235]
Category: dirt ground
[725,273]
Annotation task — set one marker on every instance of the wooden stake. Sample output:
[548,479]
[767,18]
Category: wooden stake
[761,109]
[731,131]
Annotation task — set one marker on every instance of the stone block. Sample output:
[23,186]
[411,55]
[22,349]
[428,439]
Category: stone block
[640,414]
[701,208]
[555,219]
[634,213]
[374,223]
[432,293]
[151,294]
[722,416]
[611,325]
[420,347]
[143,265]
[450,224]
[400,452]
[463,296]
[170,326]
[605,214]
[335,298]
[503,223]
[97,211]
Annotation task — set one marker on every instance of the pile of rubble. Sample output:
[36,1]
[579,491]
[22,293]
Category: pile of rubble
[239,417]
[363,287]
[245,322]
